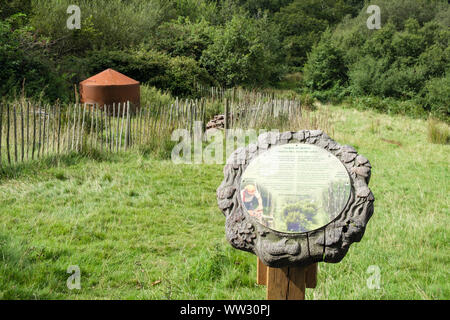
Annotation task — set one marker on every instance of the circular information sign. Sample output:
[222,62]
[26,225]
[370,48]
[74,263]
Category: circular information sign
[295,188]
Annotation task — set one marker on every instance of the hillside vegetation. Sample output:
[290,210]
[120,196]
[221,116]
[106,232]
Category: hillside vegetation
[401,68]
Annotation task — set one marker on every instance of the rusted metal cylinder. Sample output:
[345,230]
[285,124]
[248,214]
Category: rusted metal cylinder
[110,87]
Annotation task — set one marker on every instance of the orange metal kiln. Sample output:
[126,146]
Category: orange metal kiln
[109,87]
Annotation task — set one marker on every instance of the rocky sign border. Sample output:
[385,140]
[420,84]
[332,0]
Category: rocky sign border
[277,249]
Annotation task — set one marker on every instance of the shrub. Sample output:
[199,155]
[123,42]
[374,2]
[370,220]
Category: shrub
[245,51]
[367,76]
[183,38]
[388,105]
[151,96]
[105,23]
[438,132]
[145,66]
[435,61]
[437,96]
[407,59]
[303,21]
[183,75]
[23,60]
[178,74]
[325,68]
[11,7]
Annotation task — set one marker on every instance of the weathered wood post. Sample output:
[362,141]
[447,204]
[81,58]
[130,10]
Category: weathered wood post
[59,128]
[227,119]
[287,283]
[127,130]
[22,123]
[15,132]
[295,199]
[1,132]
[7,133]
[34,133]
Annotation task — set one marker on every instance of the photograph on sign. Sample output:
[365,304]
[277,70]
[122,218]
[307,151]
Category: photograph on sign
[295,188]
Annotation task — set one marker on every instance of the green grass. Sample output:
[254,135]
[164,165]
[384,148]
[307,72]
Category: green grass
[142,228]
[438,132]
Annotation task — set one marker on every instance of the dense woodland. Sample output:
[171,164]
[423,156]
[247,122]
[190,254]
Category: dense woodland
[321,48]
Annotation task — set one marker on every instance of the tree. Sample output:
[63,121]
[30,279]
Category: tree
[245,51]
[24,60]
[303,21]
[325,68]
[11,7]
[183,38]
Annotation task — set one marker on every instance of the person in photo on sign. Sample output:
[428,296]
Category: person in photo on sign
[252,201]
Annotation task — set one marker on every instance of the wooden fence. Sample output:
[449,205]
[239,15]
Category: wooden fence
[29,131]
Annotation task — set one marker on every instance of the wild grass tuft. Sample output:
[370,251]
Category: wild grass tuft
[438,132]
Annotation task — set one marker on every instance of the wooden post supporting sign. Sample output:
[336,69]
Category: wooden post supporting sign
[288,283]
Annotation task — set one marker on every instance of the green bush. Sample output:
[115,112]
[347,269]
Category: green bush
[325,68]
[195,9]
[183,75]
[105,23]
[388,105]
[11,7]
[183,38]
[303,21]
[25,63]
[151,96]
[407,59]
[145,66]
[437,96]
[177,74]
[245,51]
[371,76]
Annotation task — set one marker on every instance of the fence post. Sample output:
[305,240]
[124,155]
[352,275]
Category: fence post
[147,125]
[105,108]
[55,128]
[128,126]
[226,114]
[1,132]
[118,128]
[101,129]
[28,131]
[140,125]
[78,147]
[96,126]
[15,132]
[110,131]
[43,131]
[48,129]
[47,113]
[7,134]
[74,125]
[82,127]
[121,127]
[22,132]
[204,114]
[59,128]
[34,134]
[68,127]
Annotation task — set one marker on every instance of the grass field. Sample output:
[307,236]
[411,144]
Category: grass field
[143,228]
